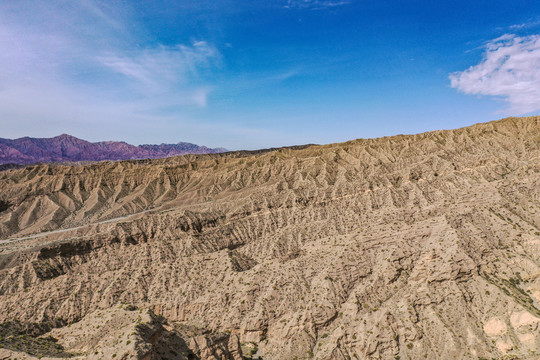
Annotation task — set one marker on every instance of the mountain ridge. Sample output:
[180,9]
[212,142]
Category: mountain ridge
[68,148]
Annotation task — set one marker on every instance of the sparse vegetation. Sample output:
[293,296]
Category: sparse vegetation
[14,337]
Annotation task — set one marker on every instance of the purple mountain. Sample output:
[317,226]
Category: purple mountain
[29,150]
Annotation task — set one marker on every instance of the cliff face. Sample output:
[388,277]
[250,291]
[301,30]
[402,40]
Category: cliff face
[409,247]
[68,148]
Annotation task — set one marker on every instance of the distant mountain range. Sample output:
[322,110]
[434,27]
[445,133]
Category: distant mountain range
[65,147]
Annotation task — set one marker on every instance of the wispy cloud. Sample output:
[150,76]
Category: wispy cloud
[315,4]
[96,9]
[163,68]
[86,66]
[510,70]
[526,25]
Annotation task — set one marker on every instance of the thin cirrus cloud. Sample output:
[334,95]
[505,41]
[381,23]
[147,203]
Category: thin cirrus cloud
[164,68]
[314,4]
[509,70]
[84,66]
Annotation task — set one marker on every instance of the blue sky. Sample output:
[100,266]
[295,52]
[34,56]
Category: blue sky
[255,74]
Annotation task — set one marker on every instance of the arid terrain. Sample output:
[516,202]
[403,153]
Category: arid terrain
[407,247]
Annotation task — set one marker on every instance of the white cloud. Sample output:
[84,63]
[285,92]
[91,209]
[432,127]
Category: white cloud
[84,67]
[165,67]
[526,25]
[510,70]
[314,4]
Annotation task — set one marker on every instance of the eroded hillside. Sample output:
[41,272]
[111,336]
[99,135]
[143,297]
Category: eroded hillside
[409,247]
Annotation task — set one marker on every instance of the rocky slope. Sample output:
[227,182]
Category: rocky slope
[405,247]
[68,148]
